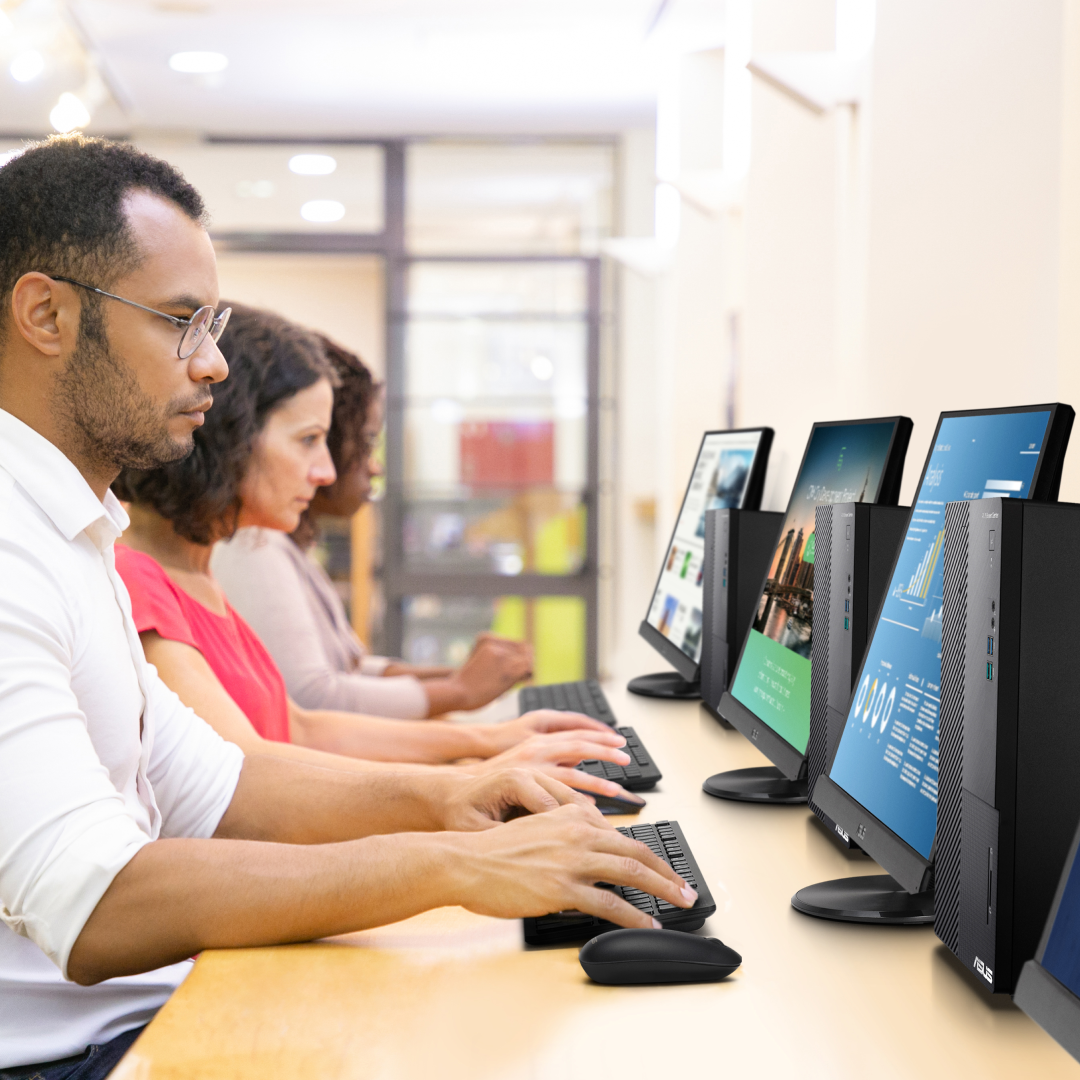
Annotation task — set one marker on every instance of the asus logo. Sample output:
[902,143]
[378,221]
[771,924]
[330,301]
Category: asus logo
[986,972]
[754,734]
[847,839]
[861,834]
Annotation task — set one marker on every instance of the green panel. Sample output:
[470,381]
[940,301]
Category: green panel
[559,639]
[774,684]
[510,618]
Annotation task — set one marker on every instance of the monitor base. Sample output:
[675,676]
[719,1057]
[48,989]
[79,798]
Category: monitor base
[766,784]
[665,684]
[876,898]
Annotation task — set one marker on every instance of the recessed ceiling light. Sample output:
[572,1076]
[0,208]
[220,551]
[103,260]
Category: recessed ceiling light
[69,114]
[312,164]
[198,63]
[322,210]
[27,65]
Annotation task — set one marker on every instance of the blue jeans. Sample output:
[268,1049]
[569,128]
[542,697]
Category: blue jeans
[94,1064]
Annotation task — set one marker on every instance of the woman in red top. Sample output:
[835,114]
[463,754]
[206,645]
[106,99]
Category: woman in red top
[258,460]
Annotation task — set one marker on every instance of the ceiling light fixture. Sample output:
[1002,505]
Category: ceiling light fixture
[69,114]
[198,63]
[322,210]
[312,164]
[27,65]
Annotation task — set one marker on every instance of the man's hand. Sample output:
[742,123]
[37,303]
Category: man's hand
[543,722]
[474,803]
[537,865]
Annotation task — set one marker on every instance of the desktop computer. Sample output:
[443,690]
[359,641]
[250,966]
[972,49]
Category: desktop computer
[858,461]
[1049,986]
[729,473]
[1008,800]
[738,546]
[882,785]
[855,547]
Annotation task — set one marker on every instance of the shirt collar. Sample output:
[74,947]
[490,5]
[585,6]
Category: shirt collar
[49,477]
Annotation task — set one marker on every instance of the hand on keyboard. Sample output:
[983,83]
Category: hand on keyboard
[542,722]
[552,862]
[558,753]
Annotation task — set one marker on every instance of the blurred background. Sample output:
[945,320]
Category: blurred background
[570,237]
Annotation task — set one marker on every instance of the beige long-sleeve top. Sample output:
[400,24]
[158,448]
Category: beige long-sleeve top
[291,603]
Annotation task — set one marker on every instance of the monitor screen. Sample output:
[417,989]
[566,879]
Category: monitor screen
[719,481]
[843,463]
[1061,956]
[888,754]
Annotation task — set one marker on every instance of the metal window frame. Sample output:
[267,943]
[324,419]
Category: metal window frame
[398,583]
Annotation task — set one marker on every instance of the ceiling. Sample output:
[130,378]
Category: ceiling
[346,68]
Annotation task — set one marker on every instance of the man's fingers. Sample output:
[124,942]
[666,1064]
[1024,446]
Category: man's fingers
[583,781]
[530,794]
[573,751]
[556,720]
[560,792]
[605,904]
[634,864]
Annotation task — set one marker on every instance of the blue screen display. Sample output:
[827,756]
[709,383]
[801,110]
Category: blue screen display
[888,754]
[1062,955]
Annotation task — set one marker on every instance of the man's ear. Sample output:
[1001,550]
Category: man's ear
[45,313]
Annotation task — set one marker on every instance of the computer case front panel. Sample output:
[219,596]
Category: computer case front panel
[856,546]
[738,544]
[1010,745]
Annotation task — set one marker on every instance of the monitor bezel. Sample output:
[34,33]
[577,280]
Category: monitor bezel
[910,867]
[789,759]
[751,500]
[1039,993]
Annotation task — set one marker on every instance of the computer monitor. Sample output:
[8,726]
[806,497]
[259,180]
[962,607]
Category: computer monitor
[882,786]
[769,698]
[1049,986]
[729,473]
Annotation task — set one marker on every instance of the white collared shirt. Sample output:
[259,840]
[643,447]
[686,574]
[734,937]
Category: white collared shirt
[97,755]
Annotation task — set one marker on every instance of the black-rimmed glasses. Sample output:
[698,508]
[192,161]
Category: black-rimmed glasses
[204,323]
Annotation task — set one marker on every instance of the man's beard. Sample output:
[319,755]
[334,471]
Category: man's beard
[117,424]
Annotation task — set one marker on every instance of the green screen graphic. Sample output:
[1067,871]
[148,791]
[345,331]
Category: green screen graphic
[774,684]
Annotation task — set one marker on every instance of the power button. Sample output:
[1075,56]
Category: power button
[992,538]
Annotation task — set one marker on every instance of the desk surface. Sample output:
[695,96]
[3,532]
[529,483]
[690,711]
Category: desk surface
[450,994]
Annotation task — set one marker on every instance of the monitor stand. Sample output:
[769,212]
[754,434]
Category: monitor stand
[665,684]
[764,784]
[876,898]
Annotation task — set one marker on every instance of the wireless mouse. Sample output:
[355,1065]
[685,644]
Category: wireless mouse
[625,957]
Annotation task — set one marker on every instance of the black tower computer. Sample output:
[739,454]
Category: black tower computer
[1008,797]
[1049,986]
[856,546]
[883,782]
[729,473]
[738,546]
[769,697]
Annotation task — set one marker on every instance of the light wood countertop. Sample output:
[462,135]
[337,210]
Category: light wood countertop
[449,994]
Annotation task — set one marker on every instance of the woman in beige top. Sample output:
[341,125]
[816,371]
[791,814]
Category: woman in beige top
[302,620]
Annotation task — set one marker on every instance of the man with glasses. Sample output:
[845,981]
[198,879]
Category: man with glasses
[131,835]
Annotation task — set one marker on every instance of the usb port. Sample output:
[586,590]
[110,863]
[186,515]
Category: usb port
[847,605]
[989,670]
[989,646]
[847,622]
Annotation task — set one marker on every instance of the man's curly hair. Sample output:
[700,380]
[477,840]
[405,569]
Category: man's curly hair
[270,359]
[62,210]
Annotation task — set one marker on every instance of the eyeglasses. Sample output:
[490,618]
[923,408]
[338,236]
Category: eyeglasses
[204,323]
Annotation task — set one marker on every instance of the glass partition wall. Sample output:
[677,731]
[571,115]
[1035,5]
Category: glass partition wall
[489,517]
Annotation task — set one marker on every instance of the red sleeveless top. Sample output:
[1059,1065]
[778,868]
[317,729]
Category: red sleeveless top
[231,648]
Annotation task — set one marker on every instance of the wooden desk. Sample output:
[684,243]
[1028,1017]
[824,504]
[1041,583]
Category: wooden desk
[449,994]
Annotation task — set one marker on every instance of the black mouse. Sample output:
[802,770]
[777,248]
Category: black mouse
[614,804]
[624,957]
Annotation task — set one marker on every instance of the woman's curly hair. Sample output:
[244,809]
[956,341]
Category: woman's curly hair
[270,359]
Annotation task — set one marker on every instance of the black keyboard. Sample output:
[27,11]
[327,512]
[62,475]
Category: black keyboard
[666,839]
[640,775]
[587,697]
[583,697]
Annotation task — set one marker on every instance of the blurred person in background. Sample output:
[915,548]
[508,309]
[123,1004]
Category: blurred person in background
[302,620]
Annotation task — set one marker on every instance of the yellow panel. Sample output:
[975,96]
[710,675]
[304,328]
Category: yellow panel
[559,639]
